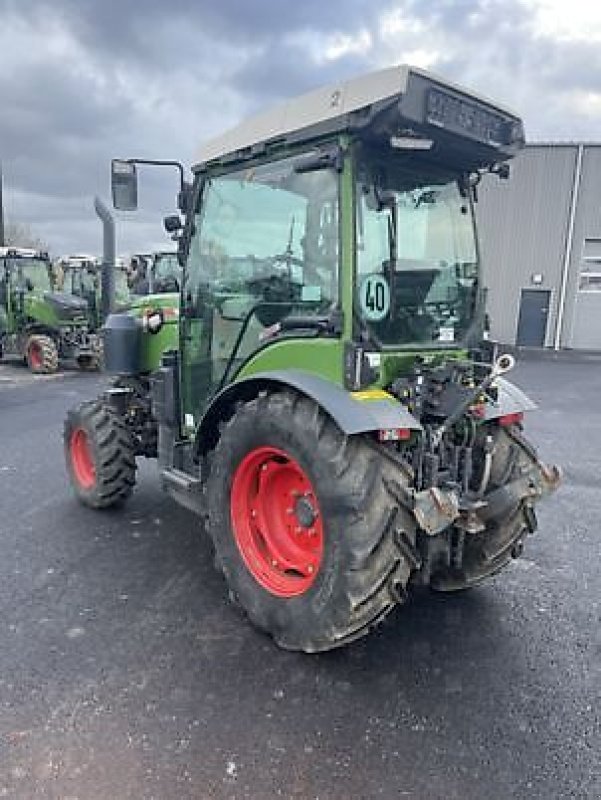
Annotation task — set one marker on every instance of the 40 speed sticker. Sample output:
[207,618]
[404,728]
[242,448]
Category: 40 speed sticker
[374,297]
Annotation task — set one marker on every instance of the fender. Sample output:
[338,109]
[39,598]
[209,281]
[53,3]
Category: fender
[352,414]
[510,400]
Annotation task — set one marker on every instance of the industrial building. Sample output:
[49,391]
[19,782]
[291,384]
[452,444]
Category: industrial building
[540,238]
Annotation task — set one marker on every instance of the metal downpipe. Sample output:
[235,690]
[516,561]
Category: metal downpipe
[568,249]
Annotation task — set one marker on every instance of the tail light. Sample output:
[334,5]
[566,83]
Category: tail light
[394,434]
[511,419]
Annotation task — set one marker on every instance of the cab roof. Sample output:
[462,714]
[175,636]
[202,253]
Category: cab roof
[395,102]
[22,252]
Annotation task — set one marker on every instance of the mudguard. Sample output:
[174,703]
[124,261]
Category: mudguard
[510,400]
[359,413]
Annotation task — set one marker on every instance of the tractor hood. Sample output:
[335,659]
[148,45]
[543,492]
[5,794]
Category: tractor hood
[66,306]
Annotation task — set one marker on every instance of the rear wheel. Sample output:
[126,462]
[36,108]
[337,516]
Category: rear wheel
[306,524]
[99,454]
[41,354]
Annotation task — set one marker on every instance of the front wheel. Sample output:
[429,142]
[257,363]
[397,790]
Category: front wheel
[99,455]
[305,523]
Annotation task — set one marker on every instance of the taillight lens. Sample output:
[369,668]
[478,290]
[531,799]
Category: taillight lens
[394,434]
[511,419]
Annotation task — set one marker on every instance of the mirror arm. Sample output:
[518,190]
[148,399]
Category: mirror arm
[162,163]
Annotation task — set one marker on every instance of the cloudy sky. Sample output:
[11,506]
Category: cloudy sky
[82,81]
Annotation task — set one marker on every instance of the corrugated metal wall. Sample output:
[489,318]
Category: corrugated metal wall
[523,226]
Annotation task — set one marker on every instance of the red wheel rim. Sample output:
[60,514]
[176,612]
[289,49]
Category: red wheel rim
[276,521]
[81,459]
[35,355]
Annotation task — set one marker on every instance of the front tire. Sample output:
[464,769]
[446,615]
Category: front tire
[305,522]
[41,354]
[99,455]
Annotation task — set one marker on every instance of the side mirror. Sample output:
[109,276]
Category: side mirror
[172,223]
[124,185]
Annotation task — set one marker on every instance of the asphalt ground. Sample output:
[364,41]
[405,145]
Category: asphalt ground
[125,673]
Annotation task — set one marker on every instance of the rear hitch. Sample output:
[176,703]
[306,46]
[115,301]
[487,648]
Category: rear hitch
[435,509]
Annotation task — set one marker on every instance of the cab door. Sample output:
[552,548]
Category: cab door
[256,255]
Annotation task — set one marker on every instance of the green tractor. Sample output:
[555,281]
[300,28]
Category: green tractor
[36,322]
[331,410]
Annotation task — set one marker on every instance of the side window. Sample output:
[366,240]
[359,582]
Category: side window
[267,234]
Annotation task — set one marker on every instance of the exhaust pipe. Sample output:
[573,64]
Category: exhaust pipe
[107,279]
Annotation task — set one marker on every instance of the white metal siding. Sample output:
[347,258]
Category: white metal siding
[523,227]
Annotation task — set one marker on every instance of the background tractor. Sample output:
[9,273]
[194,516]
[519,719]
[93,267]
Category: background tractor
[36,322]
[329,407]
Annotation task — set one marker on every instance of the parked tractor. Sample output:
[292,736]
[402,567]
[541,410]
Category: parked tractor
[330,408]
[37,323]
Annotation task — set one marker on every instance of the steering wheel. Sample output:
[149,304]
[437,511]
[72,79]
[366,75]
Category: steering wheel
[278,293]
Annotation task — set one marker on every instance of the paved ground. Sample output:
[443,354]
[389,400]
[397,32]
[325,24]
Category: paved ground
[124,673]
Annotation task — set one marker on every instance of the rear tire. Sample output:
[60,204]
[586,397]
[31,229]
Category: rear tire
[489,551]
[364,551]
[41,354]
[99,455]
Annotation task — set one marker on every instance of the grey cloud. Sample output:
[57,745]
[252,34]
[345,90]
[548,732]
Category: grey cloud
[152,78]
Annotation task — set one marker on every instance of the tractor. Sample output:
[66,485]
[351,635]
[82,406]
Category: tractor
[38,323]
[330,410]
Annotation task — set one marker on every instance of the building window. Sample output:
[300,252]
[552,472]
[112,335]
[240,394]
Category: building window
[590,269]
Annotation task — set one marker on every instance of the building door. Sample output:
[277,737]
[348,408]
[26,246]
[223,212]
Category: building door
[534,311]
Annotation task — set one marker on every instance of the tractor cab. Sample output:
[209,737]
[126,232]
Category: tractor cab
[165,272]
[79,276]
[25,279]
[337,233]
[155,273]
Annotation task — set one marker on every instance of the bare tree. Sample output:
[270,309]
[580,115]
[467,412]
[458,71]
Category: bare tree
[18,234]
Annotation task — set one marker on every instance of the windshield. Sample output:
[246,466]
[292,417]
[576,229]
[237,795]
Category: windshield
[166,265]
[33,273]
[83,281]
[417,259]
[122,291]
